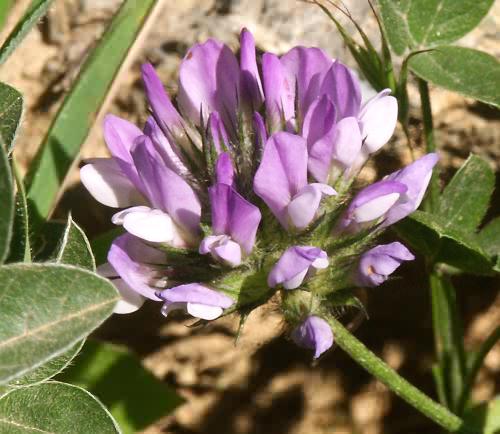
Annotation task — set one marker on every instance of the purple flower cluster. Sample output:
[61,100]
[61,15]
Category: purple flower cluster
[242,175]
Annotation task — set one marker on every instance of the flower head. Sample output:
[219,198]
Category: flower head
[239,187]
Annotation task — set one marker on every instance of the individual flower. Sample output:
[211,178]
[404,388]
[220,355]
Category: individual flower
[160,205]
[392,199]
[314,333]
[196,299]
[295,265]
[140,270]
[416,177]
[281,182]
[234,219]
[377,264]
[371,204]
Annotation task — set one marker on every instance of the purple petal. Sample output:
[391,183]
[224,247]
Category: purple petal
[165,113]
[279,92]
[168,152]
[218,132]
[120,135]
[130,299]
[148,224]
[196,293]
[303,207]
[373,202]
[378,263]
[167,190]
[234,216]
[306,69]
[347,142]
[416,177]
[319,120]
[228,252]
[137,264]
[292,267]
[224,171]
[105,181]
[204,311]
[342,86]
[318,129]
[378,119]
[208,81]
[314,333]
[282,172]
[251,87]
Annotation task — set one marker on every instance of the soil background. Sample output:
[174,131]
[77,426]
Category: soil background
[265,384]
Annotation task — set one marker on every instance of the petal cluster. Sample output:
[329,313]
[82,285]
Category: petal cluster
[245,175]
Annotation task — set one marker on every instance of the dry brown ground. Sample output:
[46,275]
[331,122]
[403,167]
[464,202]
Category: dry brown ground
[265,385]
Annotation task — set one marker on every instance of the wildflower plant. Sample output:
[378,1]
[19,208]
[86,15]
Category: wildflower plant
[244,188]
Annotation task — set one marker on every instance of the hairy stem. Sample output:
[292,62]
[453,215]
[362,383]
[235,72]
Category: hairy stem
[379,369]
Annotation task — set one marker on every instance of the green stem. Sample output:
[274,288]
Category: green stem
[379,369]
[21,194]
[430,143]
[476,364]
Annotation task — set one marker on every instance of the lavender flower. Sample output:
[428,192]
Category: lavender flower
[281,181]
[391,199]
[234,219]
[240,187]
[377,264]
[314,333]
[416,177]
[295,265]
[371,204]
[196,299]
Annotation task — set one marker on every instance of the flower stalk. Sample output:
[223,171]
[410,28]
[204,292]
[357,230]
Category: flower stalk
[430,143]
[379,369]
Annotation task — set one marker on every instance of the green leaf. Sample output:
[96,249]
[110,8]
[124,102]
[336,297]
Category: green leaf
[46,309]
[46,371]
[475,362]
[75,247]
[489,237]
[80,107]
[485,417]
[8,204]
[5,7]
[465,199]
[469,72]
[449,338]
[419,24]
[429,235]
[133,395]
[11,111]
[54,408]
[36,11]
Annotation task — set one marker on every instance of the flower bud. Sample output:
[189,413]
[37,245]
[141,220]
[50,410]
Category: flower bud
[314,333]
